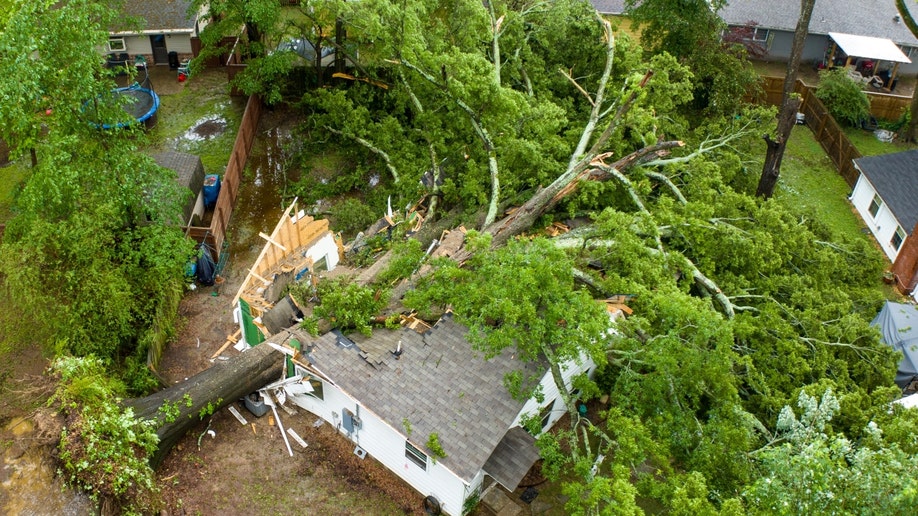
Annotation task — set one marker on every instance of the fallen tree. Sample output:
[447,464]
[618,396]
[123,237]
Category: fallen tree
[183,405]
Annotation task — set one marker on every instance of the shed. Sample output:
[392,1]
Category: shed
[898,325]
[189,173]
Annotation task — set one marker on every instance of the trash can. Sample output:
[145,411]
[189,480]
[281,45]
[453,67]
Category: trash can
[211,190]
[173,60]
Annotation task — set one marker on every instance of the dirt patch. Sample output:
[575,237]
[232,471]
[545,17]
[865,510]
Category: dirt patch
[246,469]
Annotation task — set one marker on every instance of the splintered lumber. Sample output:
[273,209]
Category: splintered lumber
[271,240]
[214,388]
[230,339]
[235,412]
[297,438]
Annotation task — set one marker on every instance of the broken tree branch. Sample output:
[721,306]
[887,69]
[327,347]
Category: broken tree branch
[372,148]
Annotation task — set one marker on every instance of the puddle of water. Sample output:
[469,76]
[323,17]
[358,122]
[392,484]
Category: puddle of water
[29,484]
[260,203]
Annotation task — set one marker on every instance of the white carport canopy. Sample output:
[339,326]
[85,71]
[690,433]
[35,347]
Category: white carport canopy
[871,48]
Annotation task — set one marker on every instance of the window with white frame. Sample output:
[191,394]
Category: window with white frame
[415,455]
[116,45]
[759,34]
[875,205]
[897,238]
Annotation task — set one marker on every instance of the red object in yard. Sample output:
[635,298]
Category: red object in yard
[182,77]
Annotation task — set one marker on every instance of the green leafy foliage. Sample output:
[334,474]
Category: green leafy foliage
[351,216]
[103,447]
[406,259]
[843,97]
[433,444]
[347,305]
[812,472]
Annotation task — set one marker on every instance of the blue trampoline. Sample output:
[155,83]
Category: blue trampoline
[142,106]
[138,101]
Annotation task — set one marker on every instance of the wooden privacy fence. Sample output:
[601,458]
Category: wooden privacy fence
[830,136]
[825,129]
[215,235]
[884,106]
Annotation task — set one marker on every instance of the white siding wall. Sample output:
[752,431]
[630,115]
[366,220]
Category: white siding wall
[325,248]
[550,391]
[140,44]
[884,225]
[387,445]
[180,43]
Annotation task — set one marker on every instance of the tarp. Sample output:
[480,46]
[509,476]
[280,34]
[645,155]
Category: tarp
[872,48]
[898,324]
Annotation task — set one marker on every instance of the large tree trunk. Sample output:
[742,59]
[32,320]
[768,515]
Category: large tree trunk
[213,388]
[774,153]
[790,103]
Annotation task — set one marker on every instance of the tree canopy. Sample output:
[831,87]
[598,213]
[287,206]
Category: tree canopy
[93,253]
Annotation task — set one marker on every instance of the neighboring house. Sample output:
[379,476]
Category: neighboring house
[391,392]
[165,27]
[774,23]
[886,197]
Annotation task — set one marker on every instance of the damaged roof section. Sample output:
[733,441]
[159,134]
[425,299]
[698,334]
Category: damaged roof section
[433,380]
[297,246]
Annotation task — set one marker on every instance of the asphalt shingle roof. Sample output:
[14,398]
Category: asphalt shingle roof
[895,178]
[159,14]
[438,384]
[872,18]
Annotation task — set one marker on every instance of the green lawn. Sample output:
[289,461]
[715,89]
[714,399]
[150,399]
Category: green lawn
[810,182]
[11,177]
[869,145]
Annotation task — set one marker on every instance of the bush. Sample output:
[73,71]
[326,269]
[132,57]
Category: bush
[348,305]
[104,449]
[351,216]
[843,97]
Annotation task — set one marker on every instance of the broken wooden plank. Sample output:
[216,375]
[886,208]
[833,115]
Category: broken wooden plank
[239,417]
[230,339]
[297,438]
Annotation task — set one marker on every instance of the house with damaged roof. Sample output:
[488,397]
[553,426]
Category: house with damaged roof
[392,392]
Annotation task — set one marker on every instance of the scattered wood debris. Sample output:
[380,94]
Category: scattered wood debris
[617,303]
[412,322]
[296,437]
[239,417]
[230,339]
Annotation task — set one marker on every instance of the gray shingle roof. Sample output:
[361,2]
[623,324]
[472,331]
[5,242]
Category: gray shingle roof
[160,14]
[609,6]
[439,384]
[513,458]
[872,18]
[895,178]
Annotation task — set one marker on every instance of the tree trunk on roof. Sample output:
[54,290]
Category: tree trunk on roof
[213,388]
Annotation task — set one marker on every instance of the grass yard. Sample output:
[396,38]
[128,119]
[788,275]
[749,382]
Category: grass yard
[810,182]
[11,178]
[869,145]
